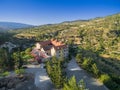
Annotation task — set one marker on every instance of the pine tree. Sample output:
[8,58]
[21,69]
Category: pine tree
[79,58]
[4,59]
[72,84]
[18,59]
[95,69]
[48,68]
[81,85]
[87,63]
[55,71]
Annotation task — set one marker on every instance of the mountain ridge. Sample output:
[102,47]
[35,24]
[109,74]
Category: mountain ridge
[4,26]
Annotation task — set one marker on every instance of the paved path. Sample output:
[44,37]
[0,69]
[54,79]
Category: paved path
[42,81]
[91,83]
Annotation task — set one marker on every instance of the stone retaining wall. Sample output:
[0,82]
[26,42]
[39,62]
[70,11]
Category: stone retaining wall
[23,82]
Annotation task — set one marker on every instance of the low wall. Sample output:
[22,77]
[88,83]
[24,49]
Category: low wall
[23,82]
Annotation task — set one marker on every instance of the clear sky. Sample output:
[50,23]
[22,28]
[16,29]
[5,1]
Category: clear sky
[37,12]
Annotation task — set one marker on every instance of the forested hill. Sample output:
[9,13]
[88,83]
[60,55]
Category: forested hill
[108,24]
[99,34]
[12,25]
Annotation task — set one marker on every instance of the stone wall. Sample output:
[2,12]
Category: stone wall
[23,82]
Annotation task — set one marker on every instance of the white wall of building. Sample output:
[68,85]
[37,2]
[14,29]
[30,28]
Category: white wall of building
[53,51]
[38,46]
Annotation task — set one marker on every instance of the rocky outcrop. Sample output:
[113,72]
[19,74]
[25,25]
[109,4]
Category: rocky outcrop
[23,82]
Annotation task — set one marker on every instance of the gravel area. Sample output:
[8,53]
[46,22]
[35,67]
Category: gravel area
[42,81]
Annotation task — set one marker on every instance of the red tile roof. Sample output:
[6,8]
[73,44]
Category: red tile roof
[52,43]
[57,43]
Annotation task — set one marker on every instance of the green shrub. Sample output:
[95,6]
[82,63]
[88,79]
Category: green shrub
[19,71]
[95,70]
[28,50]
[72,84]
[27,56]
[79,58]
[82,85]
[105,78]
[4,74]
[87,64]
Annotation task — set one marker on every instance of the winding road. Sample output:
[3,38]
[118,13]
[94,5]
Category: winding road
[90,82]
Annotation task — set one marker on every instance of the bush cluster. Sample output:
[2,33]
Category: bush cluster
[73,85]
[4,74]
[55,71]
[90,65]
[19,71]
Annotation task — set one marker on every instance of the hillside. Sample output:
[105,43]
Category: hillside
[98,44]
[104,30]
[97,38]
[13,25]
[100,34]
